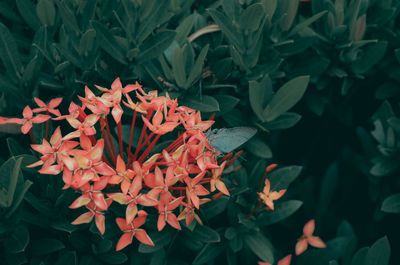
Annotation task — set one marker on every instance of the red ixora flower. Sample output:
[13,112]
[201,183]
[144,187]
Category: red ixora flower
[175,181]
[308,238]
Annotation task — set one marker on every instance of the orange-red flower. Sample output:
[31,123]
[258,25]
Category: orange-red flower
[50,108]
[165,213]
[268,197]
[308,238]
[131,230]
[27,121]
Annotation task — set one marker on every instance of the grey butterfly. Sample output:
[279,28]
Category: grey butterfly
[228,139]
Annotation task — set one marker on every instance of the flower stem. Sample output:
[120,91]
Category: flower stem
[141,137]
[106,142]
[121,150]
[32,136]
[131,135]
[148,149]
[109,138]
[254,210]
[47,127]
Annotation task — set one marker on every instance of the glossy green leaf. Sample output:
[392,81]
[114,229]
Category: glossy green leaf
[284,121]
[282,211]
[108,42]
[306,23]
[260,246]
[68,17]
[87,42]
[155,45]
[282,177]
[27,10]
[226,103]
[360,256]
[227,28]
[372,54]
[260,93]
[203,104]
[258,148]
[391,204]
[46,12]
[18,240]
[45,246]
[286,97]
[197,68]
[67,258]
[208,253]
[9,52]
[205,234]
[160,239]
[178,66]
[288,12]
[379,252]
[251,18]
[184,28]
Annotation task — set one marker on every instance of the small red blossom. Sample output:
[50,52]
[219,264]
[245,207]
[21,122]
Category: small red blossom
[49,108]
[308,238]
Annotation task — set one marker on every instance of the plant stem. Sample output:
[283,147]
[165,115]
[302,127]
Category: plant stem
[147,151]
[131,134]
[121,150]
[110,139]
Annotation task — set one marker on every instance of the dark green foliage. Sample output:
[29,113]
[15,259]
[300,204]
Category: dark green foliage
[320,81]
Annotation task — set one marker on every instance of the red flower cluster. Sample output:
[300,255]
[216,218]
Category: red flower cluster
[173,179]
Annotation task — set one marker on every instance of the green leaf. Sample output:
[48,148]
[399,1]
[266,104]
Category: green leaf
[197,68]
[282,211]
[227,28]
[9,52]
[67,258]
[251,18]
[160,240]
[27,10]
[113,258]
[372,54]
[68,17]
[360,257]
[391,204]
[12,185]
[258,148]
[286,97]
[108,42]
[87,42]
[226,103]
[282,177]
[70,55]
[288,13]
[18,240]
[215,207]
[379,252]
[260,246]
[19,197]
[260,93]
[208,253]
[46,12]
[327,190]
[284,121]
[178,66]
[155,45]
[306,23]
[184,28]
[205,104]
[44,246]
[205,234]
[395,124]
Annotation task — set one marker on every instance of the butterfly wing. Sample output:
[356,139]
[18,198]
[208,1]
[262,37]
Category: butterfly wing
[228,139]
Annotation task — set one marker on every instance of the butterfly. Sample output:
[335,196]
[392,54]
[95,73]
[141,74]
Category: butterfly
[228,139]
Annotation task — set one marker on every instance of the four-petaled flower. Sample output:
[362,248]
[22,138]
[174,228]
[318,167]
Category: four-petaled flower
[268,197]
[27,121]
[131,230]
[308,238]
[49,108]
